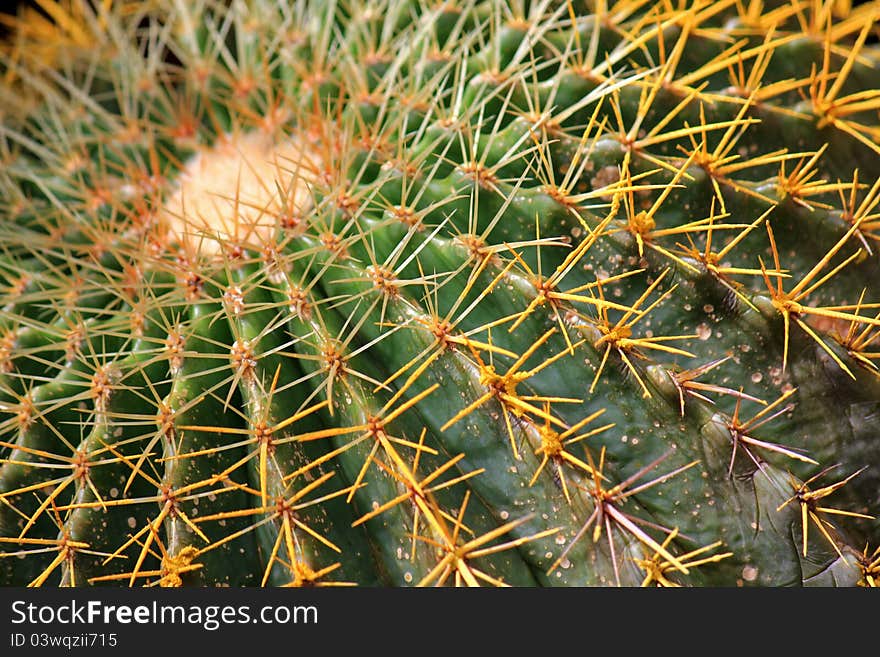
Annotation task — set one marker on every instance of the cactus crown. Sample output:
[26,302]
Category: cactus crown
[414,292]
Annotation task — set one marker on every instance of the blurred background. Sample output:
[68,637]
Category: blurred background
[35,13]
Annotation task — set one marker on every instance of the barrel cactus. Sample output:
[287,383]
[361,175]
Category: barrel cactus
[413,292]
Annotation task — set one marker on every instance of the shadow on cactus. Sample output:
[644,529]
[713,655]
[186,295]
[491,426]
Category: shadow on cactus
[407,292]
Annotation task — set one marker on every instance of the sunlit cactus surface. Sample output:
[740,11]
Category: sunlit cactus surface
[411,292]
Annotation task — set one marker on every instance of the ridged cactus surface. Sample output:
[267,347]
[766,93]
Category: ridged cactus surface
[409,292]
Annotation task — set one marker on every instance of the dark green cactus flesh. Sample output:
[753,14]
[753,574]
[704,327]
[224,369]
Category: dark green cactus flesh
[410,292]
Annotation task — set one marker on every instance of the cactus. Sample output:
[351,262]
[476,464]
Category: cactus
[409,292]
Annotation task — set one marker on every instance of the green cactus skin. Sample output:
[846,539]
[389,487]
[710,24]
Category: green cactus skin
[405,292]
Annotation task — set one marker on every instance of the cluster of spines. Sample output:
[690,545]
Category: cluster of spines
[493,203]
